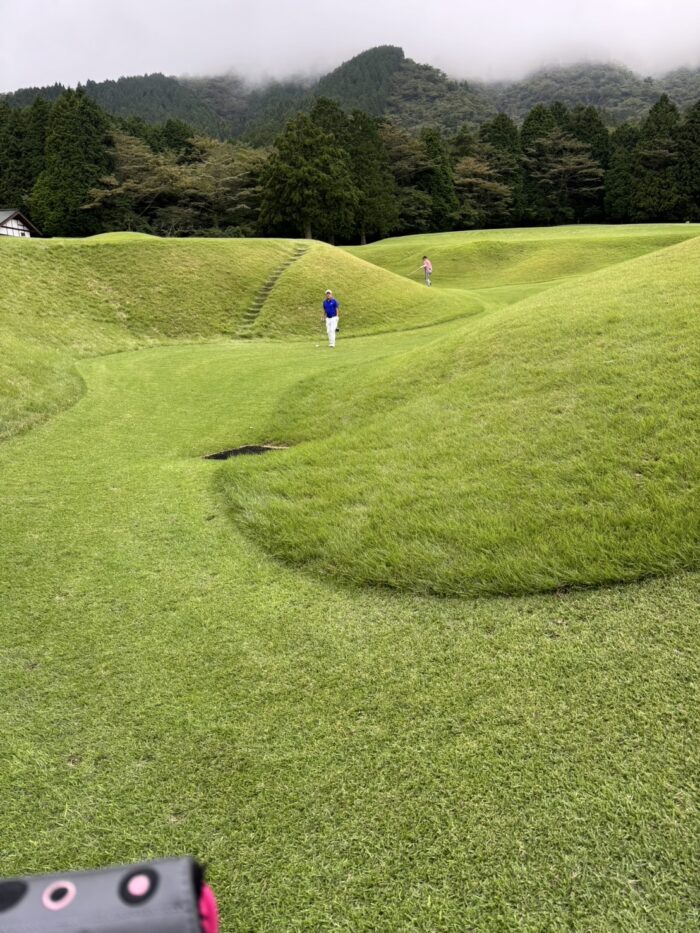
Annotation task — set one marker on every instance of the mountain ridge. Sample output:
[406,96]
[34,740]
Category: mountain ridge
[383,82]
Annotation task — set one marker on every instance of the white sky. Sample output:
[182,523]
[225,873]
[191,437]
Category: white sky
[43,41]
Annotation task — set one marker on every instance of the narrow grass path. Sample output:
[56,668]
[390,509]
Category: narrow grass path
[341,758]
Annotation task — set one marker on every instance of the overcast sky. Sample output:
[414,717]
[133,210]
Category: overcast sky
[43,41]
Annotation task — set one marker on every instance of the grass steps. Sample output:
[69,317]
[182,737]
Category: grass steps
[251,314]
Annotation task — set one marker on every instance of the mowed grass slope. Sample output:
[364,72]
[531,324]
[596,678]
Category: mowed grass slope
[547,444]
[371,299]
[491,259]
[66,299]
[349,757]
[341,758]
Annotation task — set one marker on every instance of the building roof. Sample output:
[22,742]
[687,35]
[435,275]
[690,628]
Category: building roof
[6,215]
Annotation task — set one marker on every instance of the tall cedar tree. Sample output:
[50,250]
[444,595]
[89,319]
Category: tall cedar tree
[537,124]
[586,125]
[565,174]
[689,164]
[407,161]
[655,189]
[377,211]
[463,143]
[484,199]
[307,184]
[330,117]
[437,181]
[506,158]
[37,121]
[76,158]
[618,178]
[13,192]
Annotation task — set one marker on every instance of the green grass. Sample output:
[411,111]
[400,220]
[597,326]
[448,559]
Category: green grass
[371,299]
[349,757]
[64,299]
[535,447]
[492,258]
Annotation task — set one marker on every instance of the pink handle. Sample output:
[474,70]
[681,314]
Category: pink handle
[208,911]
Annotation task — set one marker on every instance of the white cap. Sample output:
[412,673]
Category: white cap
[328,291]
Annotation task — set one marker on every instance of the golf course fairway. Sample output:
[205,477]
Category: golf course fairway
[432,667]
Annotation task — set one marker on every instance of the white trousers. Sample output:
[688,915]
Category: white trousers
[331,324]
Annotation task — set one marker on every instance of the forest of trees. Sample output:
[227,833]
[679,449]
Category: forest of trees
[383,82]
[344,176]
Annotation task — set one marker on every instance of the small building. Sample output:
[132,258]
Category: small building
[14,223]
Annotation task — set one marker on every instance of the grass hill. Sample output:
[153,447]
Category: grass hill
[532,448]
[186,665]
[66,299]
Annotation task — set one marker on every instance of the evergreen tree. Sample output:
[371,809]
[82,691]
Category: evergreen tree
[565,174]
[501,133]
[484,200]
[437,181]
[502,139]
[76,158]
[307,184]
[560,113]
[175,136]
[377,209]
[37,120]
[689,164]
[407,162]
[537,125]
[618,178]
[13,191]
[329,116]
[586,125]
[655,192]
[463,144]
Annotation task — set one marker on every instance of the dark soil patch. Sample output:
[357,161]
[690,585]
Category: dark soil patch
[243,451]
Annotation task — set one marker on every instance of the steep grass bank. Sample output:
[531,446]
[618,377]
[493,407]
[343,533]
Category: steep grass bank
[372,299]
[548,444]
[486,259]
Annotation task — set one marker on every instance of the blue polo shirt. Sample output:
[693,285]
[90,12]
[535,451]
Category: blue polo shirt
[330,306]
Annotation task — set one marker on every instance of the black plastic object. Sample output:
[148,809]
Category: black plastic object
[160,897]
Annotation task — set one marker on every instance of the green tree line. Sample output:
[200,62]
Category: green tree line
[345,177]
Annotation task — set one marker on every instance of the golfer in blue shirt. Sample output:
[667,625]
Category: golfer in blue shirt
[330,309]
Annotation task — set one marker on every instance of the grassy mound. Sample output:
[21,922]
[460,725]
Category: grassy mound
[343,757]
[372,300]
[488,259]
[66,299]
[555,444]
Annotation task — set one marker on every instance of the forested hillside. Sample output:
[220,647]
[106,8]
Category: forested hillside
[153,98]
[616,90]
[383,83]
[345,177]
